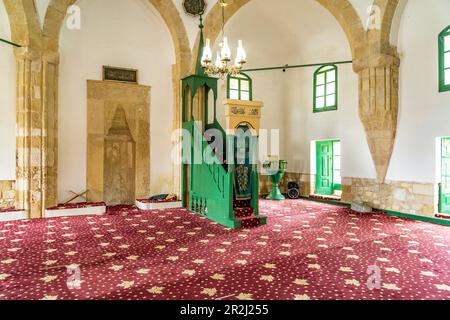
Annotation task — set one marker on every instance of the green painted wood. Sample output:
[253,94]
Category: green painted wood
[198,67]
[285,67]
[255,195]
[443,52]
[328,72]
[324,168]
[445,177]
[210,190]
[10,43]
[212,186]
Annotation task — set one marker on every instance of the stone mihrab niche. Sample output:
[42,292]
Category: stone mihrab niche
[118,146]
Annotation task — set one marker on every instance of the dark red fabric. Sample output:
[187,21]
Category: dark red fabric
[78,205]
[243,212]
[307,250]
[156,201]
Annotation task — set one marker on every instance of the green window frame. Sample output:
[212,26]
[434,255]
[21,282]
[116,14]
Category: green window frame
[326,89]
[444,60]
[240,87]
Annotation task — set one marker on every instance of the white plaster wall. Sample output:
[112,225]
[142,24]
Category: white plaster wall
[362,8]
[191,23]
[41,7]
[424,112]
[7,101]
[128,34]
[292,36]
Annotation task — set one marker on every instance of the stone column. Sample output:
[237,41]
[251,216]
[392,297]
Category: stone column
[177,124]
[378,108]
[50,87]
[35,183]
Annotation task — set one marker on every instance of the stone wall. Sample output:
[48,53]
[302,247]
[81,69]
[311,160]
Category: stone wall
[124,108]
[405,197]
[7,194]
[399,196]
[304,181]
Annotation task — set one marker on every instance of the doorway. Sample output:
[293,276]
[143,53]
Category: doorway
[444,186]
[328,167]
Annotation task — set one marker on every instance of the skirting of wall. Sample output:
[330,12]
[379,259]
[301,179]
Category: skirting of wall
[7,194]
[407,197]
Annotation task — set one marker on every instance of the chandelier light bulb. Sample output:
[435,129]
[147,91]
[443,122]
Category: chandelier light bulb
[221,67]
[218,61]
[241,56]
[207,53]
[226,51]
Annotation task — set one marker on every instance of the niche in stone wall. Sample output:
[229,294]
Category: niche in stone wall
[119,160]
[118,146]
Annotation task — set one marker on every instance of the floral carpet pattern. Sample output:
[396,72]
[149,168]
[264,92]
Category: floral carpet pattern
[306,251]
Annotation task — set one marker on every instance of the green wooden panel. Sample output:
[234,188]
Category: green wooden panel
[324,177]
[445,179]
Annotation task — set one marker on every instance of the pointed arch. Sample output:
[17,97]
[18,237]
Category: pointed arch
[56,14]
[380,39]
[342,10]
[24,22]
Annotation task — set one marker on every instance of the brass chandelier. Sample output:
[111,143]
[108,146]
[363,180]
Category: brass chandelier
[222,65]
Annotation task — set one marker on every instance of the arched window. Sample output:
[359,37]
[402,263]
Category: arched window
[240,87]
[444,60]
[325,88]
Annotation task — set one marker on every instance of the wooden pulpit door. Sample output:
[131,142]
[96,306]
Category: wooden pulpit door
[324,176]
[445,177]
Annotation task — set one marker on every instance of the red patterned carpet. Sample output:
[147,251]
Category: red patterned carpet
[307,250]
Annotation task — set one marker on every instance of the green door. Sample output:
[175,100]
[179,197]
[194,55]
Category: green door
[445,180]
[324,177]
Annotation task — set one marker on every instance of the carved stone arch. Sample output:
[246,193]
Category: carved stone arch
[56,13]
[375,61]
[54,19]
[380,38]
[396,21]
[342,10]
[348,19]
[24,22]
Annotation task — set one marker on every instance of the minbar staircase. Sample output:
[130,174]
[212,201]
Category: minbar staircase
[211,192]
[244,213]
